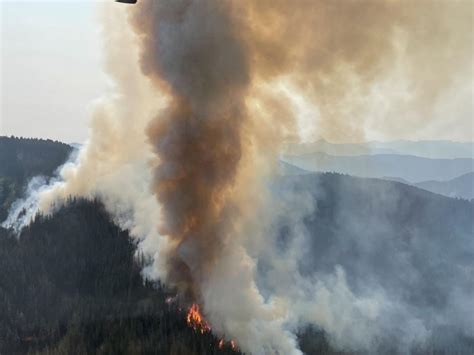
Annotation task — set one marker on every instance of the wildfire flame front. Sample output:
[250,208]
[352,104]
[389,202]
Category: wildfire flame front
[196,320]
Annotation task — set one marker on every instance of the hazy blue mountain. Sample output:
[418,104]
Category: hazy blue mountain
[397,179]
[426,149]
[344,149]
[459,187]
[415,245]
[462,186]
[410,168]
[430,149]
[289,169]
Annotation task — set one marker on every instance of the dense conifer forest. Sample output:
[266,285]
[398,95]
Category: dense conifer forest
[71,283]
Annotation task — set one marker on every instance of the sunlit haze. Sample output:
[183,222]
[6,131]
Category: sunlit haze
[50,68]
[51,72]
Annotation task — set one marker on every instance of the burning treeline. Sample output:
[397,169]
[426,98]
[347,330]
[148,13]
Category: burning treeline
[196,321]
[231,78]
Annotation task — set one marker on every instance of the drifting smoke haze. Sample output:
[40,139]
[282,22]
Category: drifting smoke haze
[182,152]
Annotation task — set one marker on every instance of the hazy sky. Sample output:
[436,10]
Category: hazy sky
[50,60]
[50,68]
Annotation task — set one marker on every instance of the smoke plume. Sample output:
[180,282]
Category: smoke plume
[184,148]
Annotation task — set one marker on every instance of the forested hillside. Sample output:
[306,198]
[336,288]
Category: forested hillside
[71,283]
[414,246]
[23,158]
[382,228]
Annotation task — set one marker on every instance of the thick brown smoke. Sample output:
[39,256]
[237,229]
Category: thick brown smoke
[219,63]
[367,63]
[191,52]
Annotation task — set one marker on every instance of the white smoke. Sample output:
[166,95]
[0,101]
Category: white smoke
[116,163]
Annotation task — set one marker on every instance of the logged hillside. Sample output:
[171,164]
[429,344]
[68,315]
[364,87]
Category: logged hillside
[23,158]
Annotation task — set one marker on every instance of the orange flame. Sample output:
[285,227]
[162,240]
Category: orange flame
[199,324]
[196,320]
[231,344]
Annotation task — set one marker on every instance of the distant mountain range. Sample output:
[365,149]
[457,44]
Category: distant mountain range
[413,169]
[289,169]
[462,186]
[426,149]
[442,167]
[459,187]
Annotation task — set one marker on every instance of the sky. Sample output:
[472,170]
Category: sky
[51,72]
[50,68]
